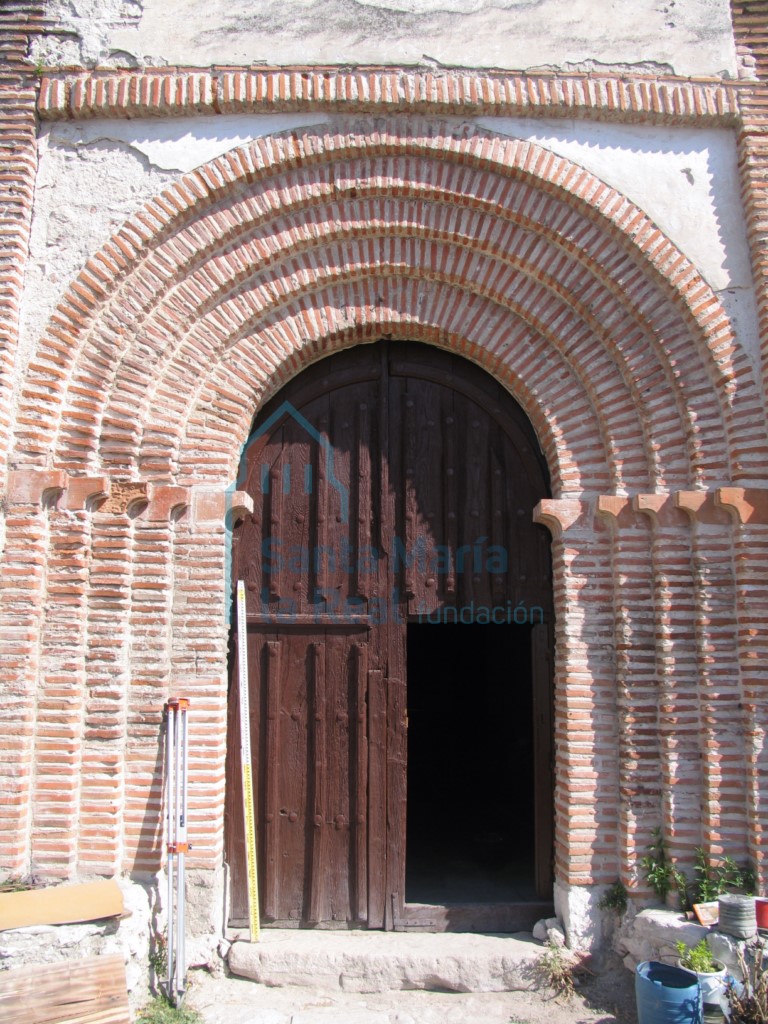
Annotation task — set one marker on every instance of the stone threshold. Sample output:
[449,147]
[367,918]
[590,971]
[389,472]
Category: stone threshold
[376,961]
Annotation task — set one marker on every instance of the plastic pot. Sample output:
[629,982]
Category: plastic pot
[761,912]
[667,994]
[711,983]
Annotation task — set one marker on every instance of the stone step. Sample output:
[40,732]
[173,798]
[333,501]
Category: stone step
[361,961]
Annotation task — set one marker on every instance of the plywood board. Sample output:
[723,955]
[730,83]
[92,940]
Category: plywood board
[91,991]
[61,904]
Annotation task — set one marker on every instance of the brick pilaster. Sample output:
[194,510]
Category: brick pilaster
[640,784]
[586,775]
[677,673]
[748,508]
[721,754]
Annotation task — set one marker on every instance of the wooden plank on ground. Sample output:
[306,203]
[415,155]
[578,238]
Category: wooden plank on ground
[91,991]
[61,904]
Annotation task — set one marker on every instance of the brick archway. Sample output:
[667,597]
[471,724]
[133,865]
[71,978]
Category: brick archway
[301,243]
[263,261]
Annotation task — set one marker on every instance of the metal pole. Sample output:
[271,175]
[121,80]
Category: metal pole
[176,800]
[170,789]
[181,968]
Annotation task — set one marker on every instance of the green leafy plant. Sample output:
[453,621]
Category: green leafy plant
[557,970]
[18,884]
[561,970]
[158,955]
[160,1011]
[748,997]
[710,879]
[661,874]
[698,958]
[614,898]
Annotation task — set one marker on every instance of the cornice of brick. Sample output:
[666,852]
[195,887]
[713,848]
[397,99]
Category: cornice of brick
[180,91]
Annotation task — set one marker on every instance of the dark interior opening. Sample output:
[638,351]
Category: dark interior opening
[470,827]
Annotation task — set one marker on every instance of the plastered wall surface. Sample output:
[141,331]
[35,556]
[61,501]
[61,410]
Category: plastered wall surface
[93,175]
[688,37]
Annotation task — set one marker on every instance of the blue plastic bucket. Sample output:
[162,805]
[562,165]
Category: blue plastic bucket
[666,994]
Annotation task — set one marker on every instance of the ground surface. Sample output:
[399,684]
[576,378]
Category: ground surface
[604,998]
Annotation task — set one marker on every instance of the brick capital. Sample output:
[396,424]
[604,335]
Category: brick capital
[221,506]
[616,509]
[744,504]
[164,500]
[560,514]
[124,495]
[28,486]
[81,490]
[238,505]
[701,507]
[660,508]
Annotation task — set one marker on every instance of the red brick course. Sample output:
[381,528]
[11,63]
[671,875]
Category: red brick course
[169,92]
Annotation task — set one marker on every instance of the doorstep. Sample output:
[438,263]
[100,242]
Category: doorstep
[377,961]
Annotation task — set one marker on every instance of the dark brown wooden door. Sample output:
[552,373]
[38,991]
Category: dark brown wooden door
[391,483]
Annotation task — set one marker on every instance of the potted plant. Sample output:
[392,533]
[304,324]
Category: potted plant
[746,1000]
[710,971]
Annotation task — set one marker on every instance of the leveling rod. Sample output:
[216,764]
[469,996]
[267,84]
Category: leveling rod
[176,811]
[245,762]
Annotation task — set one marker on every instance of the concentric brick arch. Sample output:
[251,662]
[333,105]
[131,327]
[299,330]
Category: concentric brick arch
[258,263]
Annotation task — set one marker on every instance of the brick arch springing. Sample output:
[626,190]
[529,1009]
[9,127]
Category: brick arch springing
[132,302]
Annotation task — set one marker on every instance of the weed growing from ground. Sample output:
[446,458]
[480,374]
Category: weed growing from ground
[160,1011]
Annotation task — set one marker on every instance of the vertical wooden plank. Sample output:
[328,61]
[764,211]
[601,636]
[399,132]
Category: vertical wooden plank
[408,489]
[321,519]
[377,798]
[474,524]
[317,880]
[500,515]
[425,460]
[296,772]
[541,663]
[270,875]
[362,580]
[338,851]
[275,522]
[450,499]
[397,752]
[360,795]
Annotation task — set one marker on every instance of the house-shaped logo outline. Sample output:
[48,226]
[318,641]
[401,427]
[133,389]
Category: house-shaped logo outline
[285,409]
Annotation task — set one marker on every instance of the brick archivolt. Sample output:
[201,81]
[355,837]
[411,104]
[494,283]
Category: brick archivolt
[277,253]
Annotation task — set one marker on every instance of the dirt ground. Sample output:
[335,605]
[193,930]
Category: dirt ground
[603,997]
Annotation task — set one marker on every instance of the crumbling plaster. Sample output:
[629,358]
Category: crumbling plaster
[685,37]
[93,175]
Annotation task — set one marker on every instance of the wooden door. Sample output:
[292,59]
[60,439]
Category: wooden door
[392,482]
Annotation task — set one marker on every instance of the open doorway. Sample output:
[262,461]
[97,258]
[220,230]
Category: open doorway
[470,820]
[393,482]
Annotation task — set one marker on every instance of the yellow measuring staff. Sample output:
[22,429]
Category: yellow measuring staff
[245,761]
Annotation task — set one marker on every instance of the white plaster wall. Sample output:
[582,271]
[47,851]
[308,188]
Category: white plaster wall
[687,37]
[93,175]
